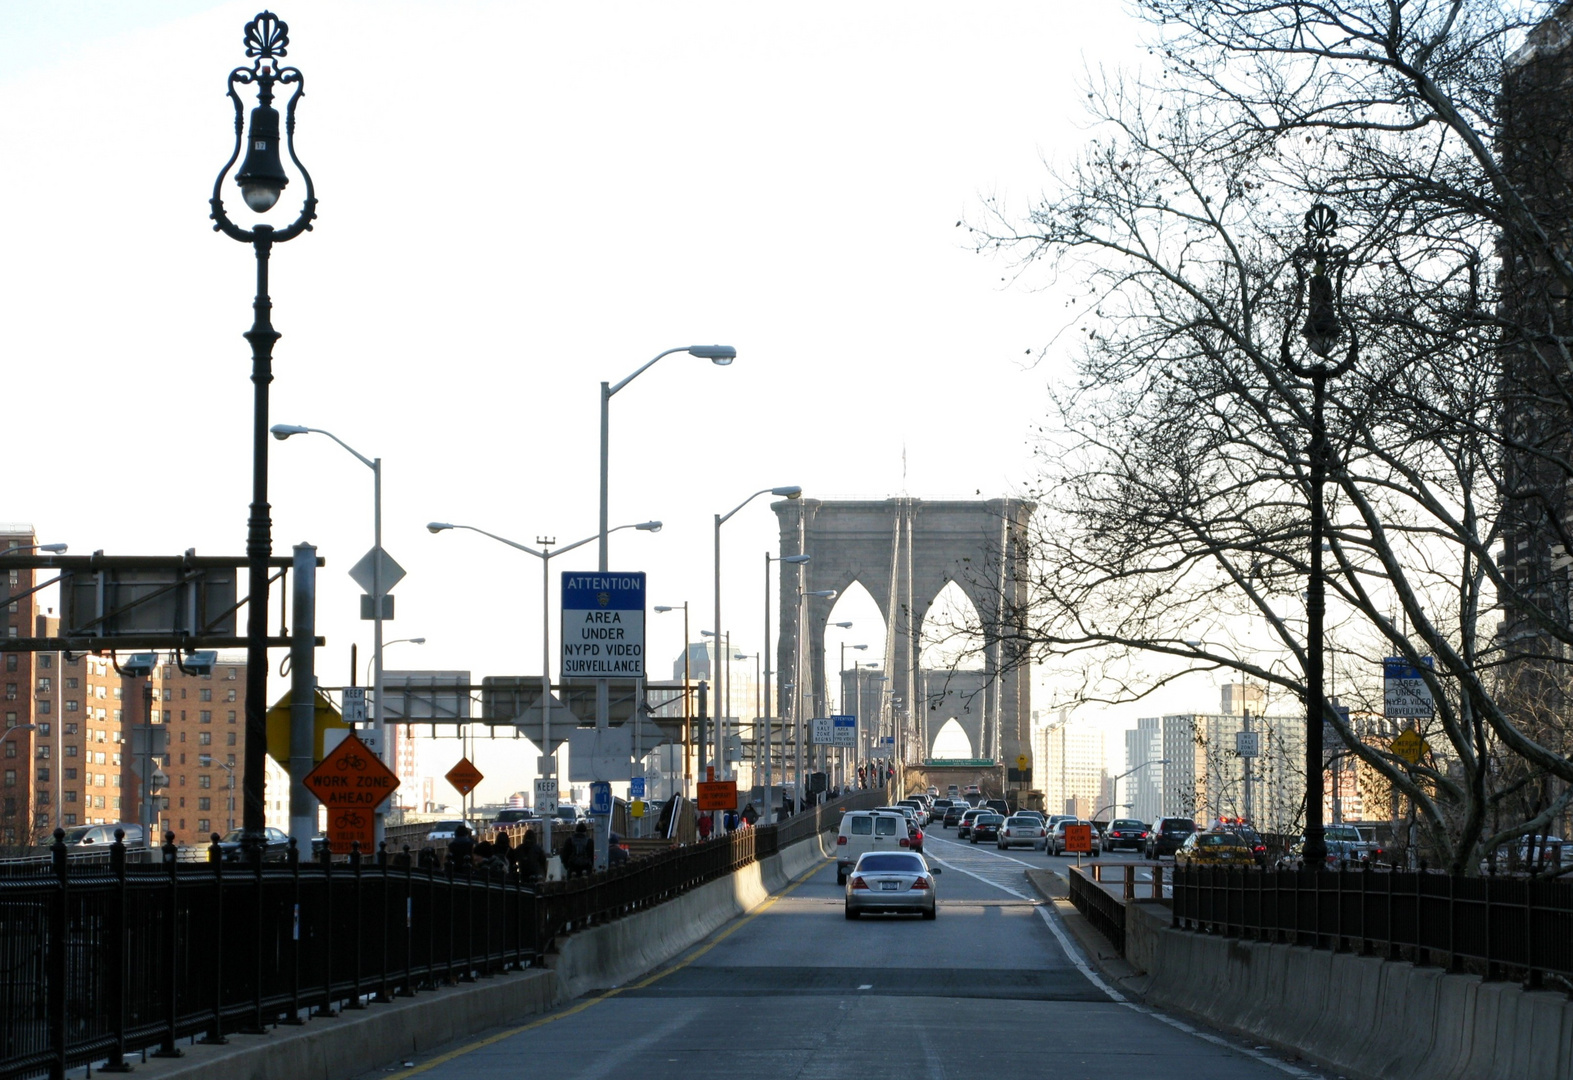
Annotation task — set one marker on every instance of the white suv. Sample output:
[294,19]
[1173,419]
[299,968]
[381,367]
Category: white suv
[868,830]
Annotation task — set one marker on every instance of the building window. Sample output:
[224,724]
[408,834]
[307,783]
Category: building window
[70,728]
[43,708]
[204,803]
[10,691]
[207,716]
[204,738]
[118,694]
[98,802]
[71,682]
[230,696]
[10,778]
[42,751]
[166,716]
[231,675]
[10,748]
[71,750]
[114,802]
[43,684]
[44,659]
[10,661]
[182,693]
[70,773]
[43,773]
[182,734]
[231,738]
[10,720]
[43,729]
[204,781]
[207,694]
[167,694]
[72,705]
[68,819]
[203,825]
[232,716]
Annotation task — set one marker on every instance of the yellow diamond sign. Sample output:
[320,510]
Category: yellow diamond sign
[325,717]
[1410,746]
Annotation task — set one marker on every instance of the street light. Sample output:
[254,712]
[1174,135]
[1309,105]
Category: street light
[545,554]
[262,180]
[770,809]
[1127,772]
[720,355]
[53,549]
[390,644]
[720,700]
[662,609]
[789,491]
[1321,330]
[284,431]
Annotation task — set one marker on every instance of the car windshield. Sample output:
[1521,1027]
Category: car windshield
[904,864]
[987,819]
[1126,823]
[74,836]
[445,826]
[1172,827]
[1023,822]
[233,836]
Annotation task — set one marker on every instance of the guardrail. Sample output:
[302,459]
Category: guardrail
[1519,927]
[1090,893]
[101,961]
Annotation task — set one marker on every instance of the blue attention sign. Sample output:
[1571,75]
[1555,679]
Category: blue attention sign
[603,625]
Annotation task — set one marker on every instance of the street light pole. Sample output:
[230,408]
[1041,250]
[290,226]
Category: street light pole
[1321,331]
[1127,772]
[770,810]
[545,554]
[688,775]
[262,179]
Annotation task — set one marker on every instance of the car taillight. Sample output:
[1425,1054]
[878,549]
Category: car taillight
[1006,831]
[1042,832]
[921,883]
[1144,836]
[859,883]
[841,841]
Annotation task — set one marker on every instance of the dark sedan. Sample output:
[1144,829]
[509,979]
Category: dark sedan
[1125,833]
[953,814]
[276,850]
[986,827]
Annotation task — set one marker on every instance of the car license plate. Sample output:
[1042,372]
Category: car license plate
[889,886]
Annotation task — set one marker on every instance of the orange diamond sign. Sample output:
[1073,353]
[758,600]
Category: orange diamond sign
[464,776]
[351,777]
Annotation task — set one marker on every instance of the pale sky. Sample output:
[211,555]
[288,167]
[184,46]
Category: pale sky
[517,201]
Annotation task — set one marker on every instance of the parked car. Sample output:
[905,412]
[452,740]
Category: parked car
[1057,835]
[1531,854]
[275,841]
[1022,830]
[1125,833]
[1344,844]
[986,826]
[1167,834]
[863,831]
[968,816]
[1214,848]
[953,814]
[895,882]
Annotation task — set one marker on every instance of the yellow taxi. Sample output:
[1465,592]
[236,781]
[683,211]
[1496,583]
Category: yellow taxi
[1215,848]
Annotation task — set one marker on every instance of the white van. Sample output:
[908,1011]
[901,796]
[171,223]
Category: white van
[868,830]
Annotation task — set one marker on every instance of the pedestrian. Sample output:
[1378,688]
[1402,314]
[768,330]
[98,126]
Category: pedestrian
[705,826]
[750,815]
[578,852]
[530,857]
[461,849]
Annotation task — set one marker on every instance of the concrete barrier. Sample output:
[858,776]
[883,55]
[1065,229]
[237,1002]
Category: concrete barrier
[1359,1015]
[602,957]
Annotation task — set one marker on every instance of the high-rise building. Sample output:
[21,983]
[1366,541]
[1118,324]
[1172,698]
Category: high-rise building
[1070,769]
[22,820]
[1208,777]
[1141,791]
[205,717]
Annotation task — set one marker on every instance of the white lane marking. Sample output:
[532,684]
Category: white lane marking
[1073,953]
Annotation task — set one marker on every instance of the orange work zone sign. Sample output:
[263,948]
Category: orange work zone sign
[351,777]
[464,776]
[718,795]
[1078,839]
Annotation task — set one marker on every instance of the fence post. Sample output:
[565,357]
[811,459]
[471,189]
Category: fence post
[325,946]
[383,996]
[215,1035]
[408,989]
[292,857]
[117,958]
[469,922]
[1532,979]
[167,1048]
[257,1027]
[59,924]
[357,927]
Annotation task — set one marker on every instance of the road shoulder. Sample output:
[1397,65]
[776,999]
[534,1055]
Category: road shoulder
[1097,949]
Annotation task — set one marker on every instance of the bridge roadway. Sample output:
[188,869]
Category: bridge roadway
[992,990]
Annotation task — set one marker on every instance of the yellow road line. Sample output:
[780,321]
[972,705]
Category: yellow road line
[443,1059]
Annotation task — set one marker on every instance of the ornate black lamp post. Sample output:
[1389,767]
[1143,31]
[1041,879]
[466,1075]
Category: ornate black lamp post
[262,180]
[1322,329]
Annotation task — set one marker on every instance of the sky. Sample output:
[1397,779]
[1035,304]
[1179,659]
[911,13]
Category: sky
[517,202]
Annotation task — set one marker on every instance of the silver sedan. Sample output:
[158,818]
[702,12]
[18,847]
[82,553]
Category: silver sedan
[1022,830]
[893,881]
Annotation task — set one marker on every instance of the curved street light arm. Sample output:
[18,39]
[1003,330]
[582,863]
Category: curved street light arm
[646,367]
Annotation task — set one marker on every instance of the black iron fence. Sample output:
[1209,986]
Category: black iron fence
[100,961]
[1504,927]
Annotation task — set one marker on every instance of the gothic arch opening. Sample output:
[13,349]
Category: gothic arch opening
[952,741]
[949,639]
[843,658]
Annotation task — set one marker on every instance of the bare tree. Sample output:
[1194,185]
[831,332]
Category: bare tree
[1175,471]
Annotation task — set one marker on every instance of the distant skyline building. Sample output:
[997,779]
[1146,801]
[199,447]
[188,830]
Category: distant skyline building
[1069,769]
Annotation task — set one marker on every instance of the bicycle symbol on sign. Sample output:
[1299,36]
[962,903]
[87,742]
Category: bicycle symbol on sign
[350,819]
[348,764]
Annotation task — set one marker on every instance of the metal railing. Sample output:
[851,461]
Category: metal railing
[101,961]
[1090,892]
[1507,927]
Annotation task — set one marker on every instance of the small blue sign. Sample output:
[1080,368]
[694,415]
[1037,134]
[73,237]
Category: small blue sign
[636,788]
[601,798]
[1394,667]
